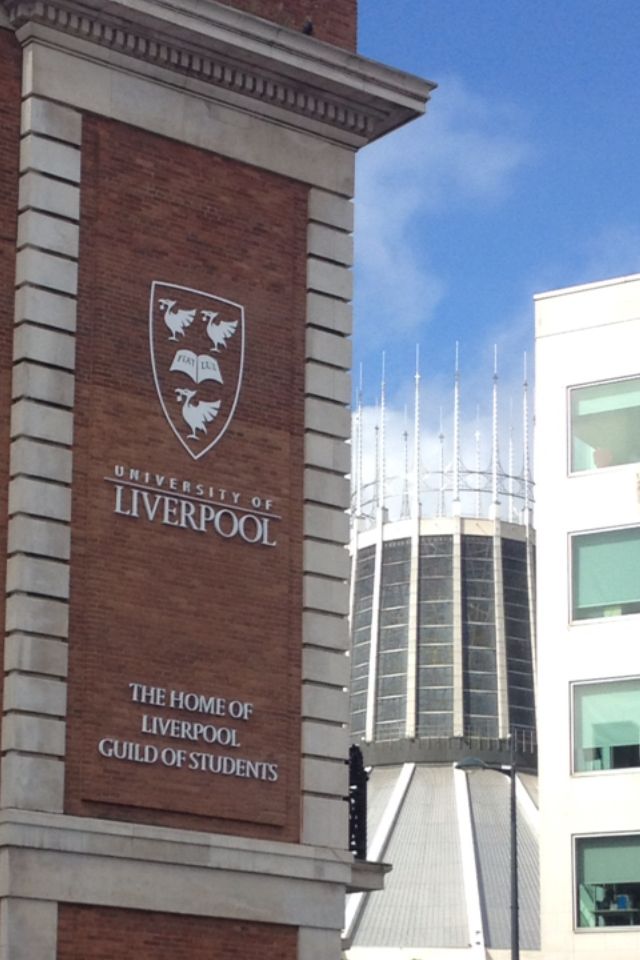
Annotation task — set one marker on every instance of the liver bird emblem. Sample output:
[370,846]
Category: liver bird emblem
[176,320]
[197,366]
[196,414]
[219,332]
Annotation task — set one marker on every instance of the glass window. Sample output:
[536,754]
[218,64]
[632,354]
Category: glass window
[361,638]
[605,424]
[393,639]
[606,573]
[608,878]
[606,725]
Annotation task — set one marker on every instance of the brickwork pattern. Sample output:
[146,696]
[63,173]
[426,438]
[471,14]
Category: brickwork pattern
[176,608]
[92,933]
[334,22]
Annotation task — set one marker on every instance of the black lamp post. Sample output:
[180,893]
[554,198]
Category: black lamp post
[509,770]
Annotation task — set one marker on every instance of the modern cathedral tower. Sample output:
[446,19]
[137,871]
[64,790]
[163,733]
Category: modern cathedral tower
[175,252]
[442,591]
[443,670]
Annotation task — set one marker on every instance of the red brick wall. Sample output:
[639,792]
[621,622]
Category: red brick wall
[10,85]
[334,22]
[94,933]
[150,603]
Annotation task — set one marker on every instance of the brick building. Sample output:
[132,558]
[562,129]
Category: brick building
[175,198]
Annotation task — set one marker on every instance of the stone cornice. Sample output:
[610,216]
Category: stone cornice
[241,55]
[75,852]
[142,842]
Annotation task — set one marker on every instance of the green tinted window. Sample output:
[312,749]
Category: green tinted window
[606,725]
[608,877]
[606,573]
[605,425]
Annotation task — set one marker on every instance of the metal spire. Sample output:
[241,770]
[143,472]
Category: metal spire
[495,503]
[511,464]
[376,450]
[456,506]
[382,491]
[525,430]
[452,488]
[417,465]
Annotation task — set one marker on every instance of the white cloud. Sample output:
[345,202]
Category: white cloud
[463,153]
[463,156]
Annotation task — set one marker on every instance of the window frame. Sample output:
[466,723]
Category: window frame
[577,929]
[596,681]
[569,445]
[612,618]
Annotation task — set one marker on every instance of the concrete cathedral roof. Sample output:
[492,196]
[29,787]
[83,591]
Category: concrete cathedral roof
[424,903]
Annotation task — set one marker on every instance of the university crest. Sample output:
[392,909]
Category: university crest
[197,355]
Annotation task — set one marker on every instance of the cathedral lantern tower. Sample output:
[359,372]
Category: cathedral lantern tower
[443,664]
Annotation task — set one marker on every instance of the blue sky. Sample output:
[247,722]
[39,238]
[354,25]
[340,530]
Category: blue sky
[522,177]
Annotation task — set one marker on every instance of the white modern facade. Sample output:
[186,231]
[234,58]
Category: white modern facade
[588,540]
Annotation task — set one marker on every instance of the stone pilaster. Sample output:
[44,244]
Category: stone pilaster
[37,587]
[326,525]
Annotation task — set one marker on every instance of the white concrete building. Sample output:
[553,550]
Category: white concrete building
[588,536]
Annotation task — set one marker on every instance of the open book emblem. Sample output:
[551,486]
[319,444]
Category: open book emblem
[199,368]
[197,356]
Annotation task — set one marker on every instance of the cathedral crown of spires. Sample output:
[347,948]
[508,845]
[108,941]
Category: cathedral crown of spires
[463,475]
